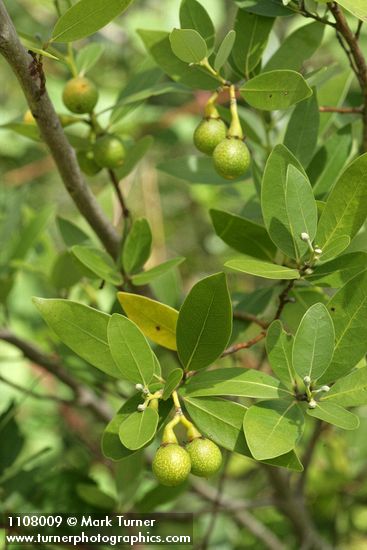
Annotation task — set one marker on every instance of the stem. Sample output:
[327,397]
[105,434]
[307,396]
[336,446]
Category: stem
[244,345]
[205,63]
[210,108]
[53,134]
[120,197]
[341,110]
[235,129]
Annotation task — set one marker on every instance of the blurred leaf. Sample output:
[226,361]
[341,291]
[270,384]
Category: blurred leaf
[158,496]
[137,246]
[94,496]
[356,7]
[130,350]
[33,229]
[302,130]
[275,90]
[12,440]
[99,262]
[28,130]
[333,92]
[243,235]
[157,321]
[297,48]
[70,232]
[336,415]
[314,343]
[195,170]
[147,276]
[88,56]
[279,346]
[224,50]
[235,382]
[194,16]
[204,323]
[269,8]
[66,271]
[273,428]
[81,328]
[252,266]
[139,428]
[85,18]
[252,33]
[173,380]
[134,155]
[188,45]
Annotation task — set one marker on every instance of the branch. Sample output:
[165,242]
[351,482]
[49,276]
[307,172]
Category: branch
[31,78]
[355,55]
[341,110]
[284,299]
[242,316]
[244,345]
[120,197]
[31,393]
[83,397]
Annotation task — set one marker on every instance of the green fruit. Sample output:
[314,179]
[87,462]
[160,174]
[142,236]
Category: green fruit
[80,95]
[231,158]
[171,465]
[109,152]
[209,133]
[206,458]
[87,163]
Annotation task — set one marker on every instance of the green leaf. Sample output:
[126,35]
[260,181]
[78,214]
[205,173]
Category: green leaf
[329,161]
[275,90]
[85,18]
[268,8]
[222,421]
[137,246]
[234,382]
[31,232]
[339,271]
[157,321]
[349,391]
[188,45]
[252,33]
[297,48]
[99,262]
[134,155]
[348,309]
[159,46]
[356,7]
[333,92]
[336,415]
[346,207]
[81,328]
[88,57]
[93,496]
[66,271]
[287,203]
[279,346]
[146,277]
[243,235]
[195,170]
[173,380]
[194,16]
[224,50]
[336,246]
[111,445]
[138,429]
[130,350]
[302,130]
[204,323]
[273,428]
[314,343]
[251,266]
[30,131]
[70,232]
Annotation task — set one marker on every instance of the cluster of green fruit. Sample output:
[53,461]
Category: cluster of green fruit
[230,154]
[80,96]
[173,463]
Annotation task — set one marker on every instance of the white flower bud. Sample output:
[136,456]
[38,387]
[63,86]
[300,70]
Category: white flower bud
[308,271]
[142,407]
[305,237]
[318,250]
[139,387]
[325,388]
[307,380]
[312,404]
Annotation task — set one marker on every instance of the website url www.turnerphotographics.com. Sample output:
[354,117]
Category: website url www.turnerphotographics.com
[97,530]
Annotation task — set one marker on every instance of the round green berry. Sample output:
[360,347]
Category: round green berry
[206,458]
[109,152]
[87,163]
[80,95]
[209,133]
[171,465]
[231,158]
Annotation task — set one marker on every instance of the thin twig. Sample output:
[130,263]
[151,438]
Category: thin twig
[341,110]
[242,316]
[120,197]
[244,345]
[284,298]
[29,392]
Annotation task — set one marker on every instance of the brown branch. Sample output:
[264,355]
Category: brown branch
[244,345]
[341,110]
[242,316]
[82,396]
[120,197]
[31,79]
[355,55]
[284,298]
[29,392]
